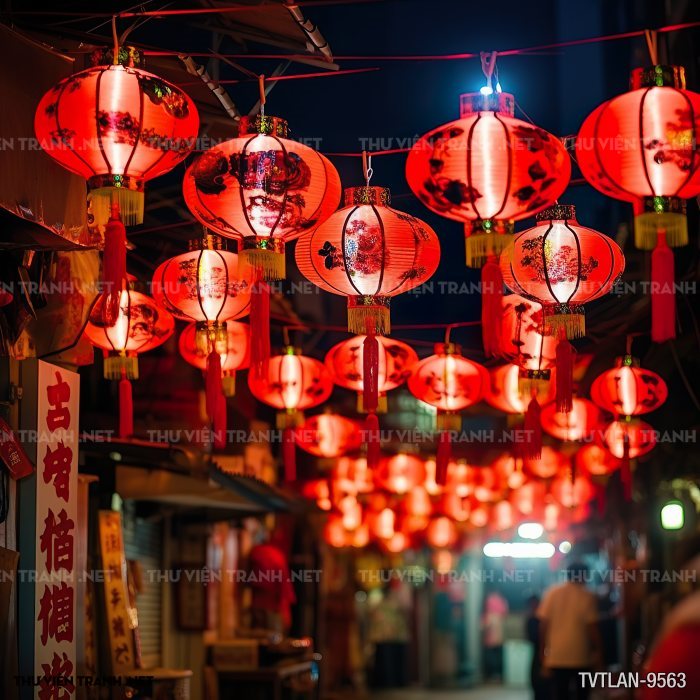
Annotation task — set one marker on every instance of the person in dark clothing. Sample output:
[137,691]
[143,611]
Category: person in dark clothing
[540,686]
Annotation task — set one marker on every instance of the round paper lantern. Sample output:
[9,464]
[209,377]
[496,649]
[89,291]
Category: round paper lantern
[486,169]
[629,390]
[352,472]
[397,543]
[140,326]
[595,460]
[502,516]
[562,265]
[627,439]
[417,502]
[400,473]
[369,252]
[441,533]
[382,523]
[455,507]
[459,479]
[550,463]
[395,359]
[642,146]
[508,469]
[318,490]
[577,424]
[236,355]
[263,190]
[528,498]
[479,517]
[117,126]
[328,435]
[572,491]
[505,390]
[334,532]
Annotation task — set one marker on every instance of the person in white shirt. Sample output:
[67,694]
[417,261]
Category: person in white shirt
[569,636]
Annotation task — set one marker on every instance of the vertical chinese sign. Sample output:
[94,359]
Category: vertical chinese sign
[56,517]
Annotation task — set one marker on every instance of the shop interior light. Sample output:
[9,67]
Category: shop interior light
[530,531]
[519,550]
[672,516]
[565,547]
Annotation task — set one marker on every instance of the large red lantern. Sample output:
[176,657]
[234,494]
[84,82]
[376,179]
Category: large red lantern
[641,146]
[352,473]
[328,435]
[395,359]
[450,382]
[550,463]
[117,126]
[140,326]
[291,383]
[400,473]
[369,252]
[505,391]
[629,390]
[523,340]
[575,425]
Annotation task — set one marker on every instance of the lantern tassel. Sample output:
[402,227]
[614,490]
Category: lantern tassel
[442,459]
[289,457]
[373,441]
[113,265]
[260,324]
[626,468]
[220,423]
[564,376]
[491,306]
[370,370]
[213,384]
[126,408]
[532,446]
[663,292]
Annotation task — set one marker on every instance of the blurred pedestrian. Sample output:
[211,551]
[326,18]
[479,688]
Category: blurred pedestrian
[540,685]
[493,626]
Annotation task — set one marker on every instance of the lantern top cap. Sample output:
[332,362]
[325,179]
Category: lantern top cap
[128,56]
[290,350]
[263,124]
[207,241]
[475,102]
[559,212]
[658,76]
[367,195]
[448,349]
[626,361]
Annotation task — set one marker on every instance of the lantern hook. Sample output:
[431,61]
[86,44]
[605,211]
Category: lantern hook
[115,38]
[367,167]
[652,38]
[488,66]
[263,96]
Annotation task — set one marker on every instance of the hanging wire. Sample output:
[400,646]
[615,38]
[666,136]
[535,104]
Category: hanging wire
[652,39]
[263,96]
[488,65]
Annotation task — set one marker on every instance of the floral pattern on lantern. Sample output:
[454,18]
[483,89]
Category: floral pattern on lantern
[369,252]
[575,425]
[328,435]
[117,126]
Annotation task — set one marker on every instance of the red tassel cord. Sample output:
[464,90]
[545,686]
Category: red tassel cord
[213,384]
[260,324]
[564,374]
[126,408]
[113,265]
[442,459]
[663,292]
[220,423]
[373,441]
[626,468]
[289,457]
[491,306]
[370,370]
[532,445]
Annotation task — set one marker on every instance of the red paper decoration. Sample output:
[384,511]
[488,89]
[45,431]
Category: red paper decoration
[328,435]
[629,390]
[352,474]
[417,503]
[550,463]
[642,146]
[395,359]
[627,439]
[441,533]
[117,126]
[572,491]
[369,252]
[595,460]
[400,473]
[577,424]
[523,341]
[506,393]
[562,265]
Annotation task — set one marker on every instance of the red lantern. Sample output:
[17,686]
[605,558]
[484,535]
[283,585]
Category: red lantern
[397,543]
[505,391]
[575,425]
[117,126]
[509,470]
[353,473]
[562,265]
[319,491]
[523,341]
[450,382]
[417,502]
[369,252]
[627,439]
[628,390]
[328,435]
[263,190]
[456,507]
[395,359]
[382,523]
[502,516]
[548,465]
[140,326]
[479,517]
[235,357]
[572,491]
[400,473]
[640,146]
[595,460]
[528,498]
[334,532]
[441,533]
[290,382]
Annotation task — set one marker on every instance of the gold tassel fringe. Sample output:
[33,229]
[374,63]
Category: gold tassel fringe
[289,419]
[358,315]
[228,383]
[269,263]
[647,225]
[382,403]
[526,385]
[574,325]
[116,365]
[131,203]
[479,246]
[448,421]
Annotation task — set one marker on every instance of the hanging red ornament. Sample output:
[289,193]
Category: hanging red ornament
[450,382]
[577,424]
[562,265]
[400,473]
[353,473]
[565,374]
[369,252]
[528,499]
[291,383]
[595,460]
[627,438]
[640,146]
[455,507]
[328,435]
[117,126]
[417,503]
[506,393]
[550,463]
[441,533]
[663,291]
[572,490]
[140,326]
[628,390]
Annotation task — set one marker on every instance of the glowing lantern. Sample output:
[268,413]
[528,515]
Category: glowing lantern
[360,536]
[627,439]
[431,486]
[382,524]
[528,497]
[488,169]
[397,543]
[352,472]
[505,390]
[328,435]
[502,516]
[335,533]
[575,425]
[552,513]
[640,146]
[548,465]
[263,190]
[235,357]
[369,252]
[417,502]
[479,516]
[290,382]
[595,460]
[485,483]
[318,490]
[628,390]
[351,511]
[140,326]
[441,533]
[572,491]
[455,507]
[458,479]
[395,359]
[508,469]
[400,473]
[117,126]
[450,382]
